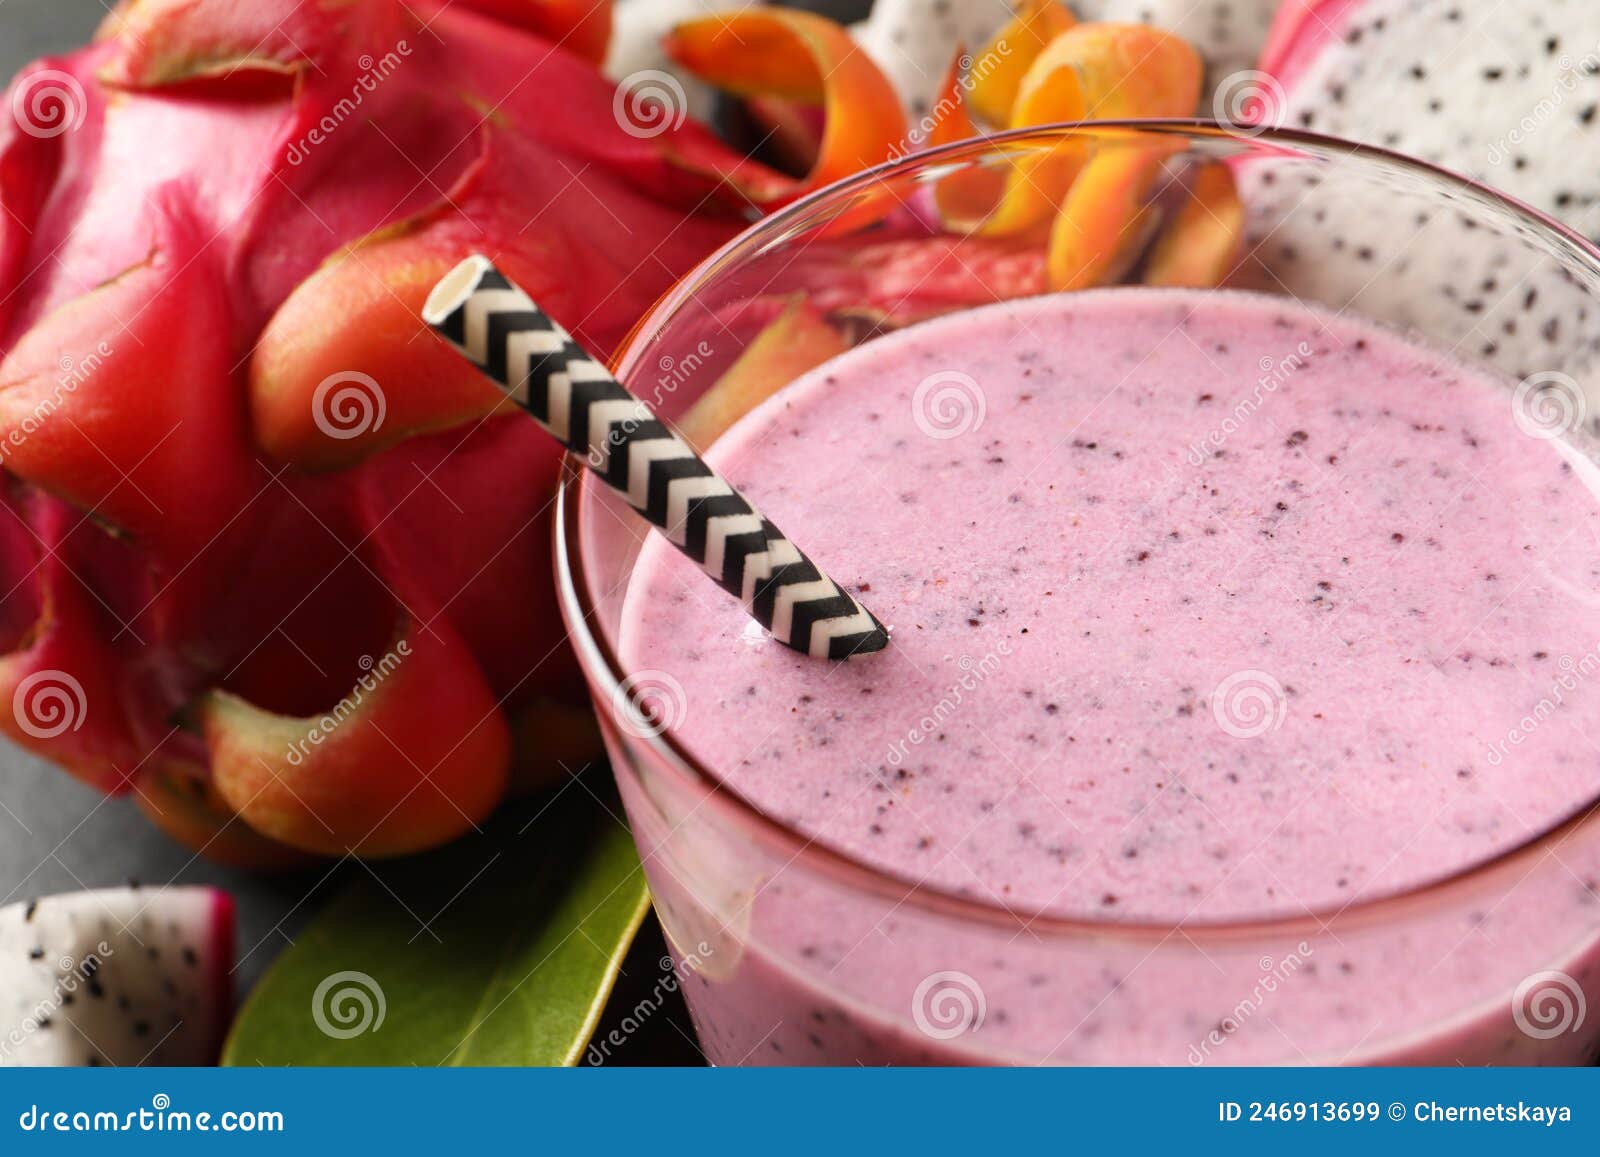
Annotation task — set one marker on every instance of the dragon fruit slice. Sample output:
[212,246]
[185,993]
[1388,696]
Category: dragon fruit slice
[271,553]
[1510,101]
[1507,101]
[125,976]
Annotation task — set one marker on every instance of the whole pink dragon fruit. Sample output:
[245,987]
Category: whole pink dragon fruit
[271,557]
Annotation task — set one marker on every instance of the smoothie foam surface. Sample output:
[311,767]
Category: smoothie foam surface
[1204,606]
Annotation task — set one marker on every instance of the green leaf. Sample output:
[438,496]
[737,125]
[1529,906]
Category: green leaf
[499,950]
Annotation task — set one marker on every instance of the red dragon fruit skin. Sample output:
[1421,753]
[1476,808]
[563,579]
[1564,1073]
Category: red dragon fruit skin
[249,497]
[1300,29]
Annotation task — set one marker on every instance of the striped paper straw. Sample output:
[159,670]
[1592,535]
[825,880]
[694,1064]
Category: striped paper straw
[502,332]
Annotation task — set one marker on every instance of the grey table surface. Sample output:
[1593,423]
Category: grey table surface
[30,28]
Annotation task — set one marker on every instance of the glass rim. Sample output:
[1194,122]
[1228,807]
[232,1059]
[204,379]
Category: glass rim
[604,670]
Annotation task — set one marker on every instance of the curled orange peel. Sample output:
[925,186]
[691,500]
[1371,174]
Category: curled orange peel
[1107,217]
[806,58]
[996,71]
[1097,71]
[1122,71]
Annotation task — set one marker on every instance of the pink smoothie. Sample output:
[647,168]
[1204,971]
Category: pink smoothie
[1205,607]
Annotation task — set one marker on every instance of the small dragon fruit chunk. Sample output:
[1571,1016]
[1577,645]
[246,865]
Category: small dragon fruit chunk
[120,977]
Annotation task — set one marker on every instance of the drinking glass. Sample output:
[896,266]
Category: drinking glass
[793,952]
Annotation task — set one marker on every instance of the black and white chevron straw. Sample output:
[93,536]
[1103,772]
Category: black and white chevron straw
[501,331]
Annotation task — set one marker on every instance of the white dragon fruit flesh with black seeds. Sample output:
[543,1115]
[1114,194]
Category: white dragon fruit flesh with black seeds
[1509,94]
[124,976]
[1507,97]
[1483,288]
